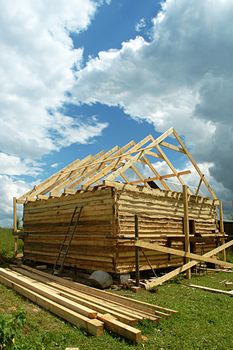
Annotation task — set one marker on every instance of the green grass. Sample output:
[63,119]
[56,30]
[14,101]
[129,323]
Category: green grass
[204,320]
[7,244]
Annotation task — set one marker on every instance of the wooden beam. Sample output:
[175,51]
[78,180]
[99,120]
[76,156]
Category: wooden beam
[137,251]
[137,172]
[186,227]
[222,228]
[15,228]
[199,185]
[121,312]
[170,165]
[167,250]
[55,177]
[187,266]
[105,169]
[120,328]
[92,326]
[172,147]
[194,164]
[158,178]
[85,171]
[118,299]
[39,288]
[164,184]
[229,293]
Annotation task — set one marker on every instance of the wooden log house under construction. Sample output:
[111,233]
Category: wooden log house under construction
[92,204]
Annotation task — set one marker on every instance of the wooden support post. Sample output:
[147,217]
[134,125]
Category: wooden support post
[185,267]
[186,227]
[222,228]
[137,250]
[15,228]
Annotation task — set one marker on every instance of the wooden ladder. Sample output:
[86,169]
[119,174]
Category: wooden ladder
[64,248]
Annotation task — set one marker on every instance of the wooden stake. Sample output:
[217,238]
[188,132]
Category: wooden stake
[186,227]
[15,226]
[222,228]
[137,252]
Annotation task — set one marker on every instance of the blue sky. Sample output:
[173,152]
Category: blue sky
[112,25]
[98,73]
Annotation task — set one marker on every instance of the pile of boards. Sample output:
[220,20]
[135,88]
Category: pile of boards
[86,307]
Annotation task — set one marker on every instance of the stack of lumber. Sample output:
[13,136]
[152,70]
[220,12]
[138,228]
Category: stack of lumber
[86,307]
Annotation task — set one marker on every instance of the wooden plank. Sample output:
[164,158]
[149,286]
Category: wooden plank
[118,299]
[100,308]
[222,228]
[15,229]
[184,172]
[137,257]
[137,172]
[120,311]
[172,147]
[186,228]
[167,250]
[199,185]
[163,155]
[164,184]
[37,287]
[230,293]
[44,185]
[94,326]
[114,164]
[120,328]
[93,168]
[183,268]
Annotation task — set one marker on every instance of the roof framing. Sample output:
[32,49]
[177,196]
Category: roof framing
[111,166]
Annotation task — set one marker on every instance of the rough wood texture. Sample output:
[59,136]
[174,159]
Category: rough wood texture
[72,301]
[94,327]
[106,222]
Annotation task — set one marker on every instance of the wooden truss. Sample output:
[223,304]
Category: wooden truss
[107,168]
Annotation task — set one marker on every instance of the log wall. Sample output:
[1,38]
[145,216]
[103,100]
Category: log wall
[93,246]
[107,225]
[160,216]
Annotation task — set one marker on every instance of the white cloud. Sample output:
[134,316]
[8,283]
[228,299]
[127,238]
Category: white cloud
[10,188]
[37,64]
[12,165]
[140,25]
[36,70]
[54,165]
[182,78]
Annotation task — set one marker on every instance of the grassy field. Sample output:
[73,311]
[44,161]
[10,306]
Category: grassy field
[7,243]
[204,320]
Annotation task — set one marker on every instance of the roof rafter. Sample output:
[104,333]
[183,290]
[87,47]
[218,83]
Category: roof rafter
[109,167]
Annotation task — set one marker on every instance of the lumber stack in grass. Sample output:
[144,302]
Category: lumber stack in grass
[86,307]
[107,221]
[119,300]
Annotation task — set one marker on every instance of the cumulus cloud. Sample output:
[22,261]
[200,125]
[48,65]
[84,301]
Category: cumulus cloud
[182,78]
[37,65]
[9,188]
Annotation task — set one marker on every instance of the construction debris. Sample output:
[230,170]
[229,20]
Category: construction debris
[228,284]
[189,265]
[230,293]
[86,307]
